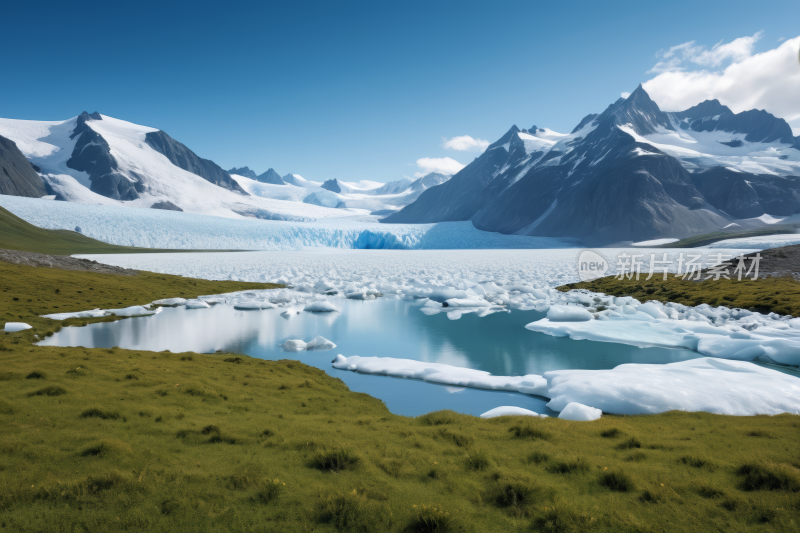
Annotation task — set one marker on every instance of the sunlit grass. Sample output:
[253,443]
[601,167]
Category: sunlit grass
[127,440]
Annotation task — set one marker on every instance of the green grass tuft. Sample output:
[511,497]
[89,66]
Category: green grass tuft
[335,459]
[770,476]
[99,413]
[617,480]
[50,390]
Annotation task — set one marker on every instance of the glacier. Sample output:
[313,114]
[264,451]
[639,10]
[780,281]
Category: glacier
[154,228]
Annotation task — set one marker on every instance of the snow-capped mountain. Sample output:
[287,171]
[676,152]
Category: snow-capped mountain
[631,173]
[363,196]
[97,159]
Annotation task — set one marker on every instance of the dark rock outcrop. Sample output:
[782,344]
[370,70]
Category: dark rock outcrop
[332,185]
[182,157]
[270,176]
[17,174]
[243,171]
[166,205]
[93,156]
[758,125]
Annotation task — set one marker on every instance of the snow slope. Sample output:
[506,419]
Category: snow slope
[361,197]
[48,145]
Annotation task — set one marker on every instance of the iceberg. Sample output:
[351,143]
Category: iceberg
[321,306]
[294,345]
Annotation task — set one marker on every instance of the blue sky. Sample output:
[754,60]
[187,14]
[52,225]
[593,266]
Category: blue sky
[352,90]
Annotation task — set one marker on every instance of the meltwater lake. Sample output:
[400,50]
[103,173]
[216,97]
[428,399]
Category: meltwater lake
[497,343]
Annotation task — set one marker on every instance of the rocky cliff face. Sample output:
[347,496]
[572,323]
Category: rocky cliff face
[17,175]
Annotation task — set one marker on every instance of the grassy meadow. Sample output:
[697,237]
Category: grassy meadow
[108,440]
[766,295]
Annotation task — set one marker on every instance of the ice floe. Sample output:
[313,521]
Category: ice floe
[294,345]
[319,343]
[134,310]
[704,384]
[253,305]
[321,306]
[196,304]
[170,302]
[510,410]
[13,327]
[440,373]
[714,331]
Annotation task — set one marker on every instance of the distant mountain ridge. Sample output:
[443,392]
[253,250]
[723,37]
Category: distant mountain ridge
[630,173]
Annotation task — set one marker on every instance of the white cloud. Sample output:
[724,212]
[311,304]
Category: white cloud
[769,80]
[445,165]
[781,39]
[625,95]
[675,57]
[464,143]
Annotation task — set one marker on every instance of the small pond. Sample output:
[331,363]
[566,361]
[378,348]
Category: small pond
[497,343]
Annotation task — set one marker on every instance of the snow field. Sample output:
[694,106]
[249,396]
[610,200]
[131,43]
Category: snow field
[155,228]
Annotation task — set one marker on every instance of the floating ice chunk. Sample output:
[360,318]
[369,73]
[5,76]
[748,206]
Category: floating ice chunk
[292,311]
[704,384]
[294,345]
[510,410]
[440,373]
[360,295]
[431,304]
[539,294]
[568,313]
[323,286]
[320,343]
[652,309]
[442,295]
[466,302]
[134,310]
[170,302]
[94,313]
[13,327]
[580,412]
[640,329]
[212,300]
[196,304]
[520,288]
[321,306]
[252,305]
[491,287]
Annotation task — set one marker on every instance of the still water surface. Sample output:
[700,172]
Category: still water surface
[497,343]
